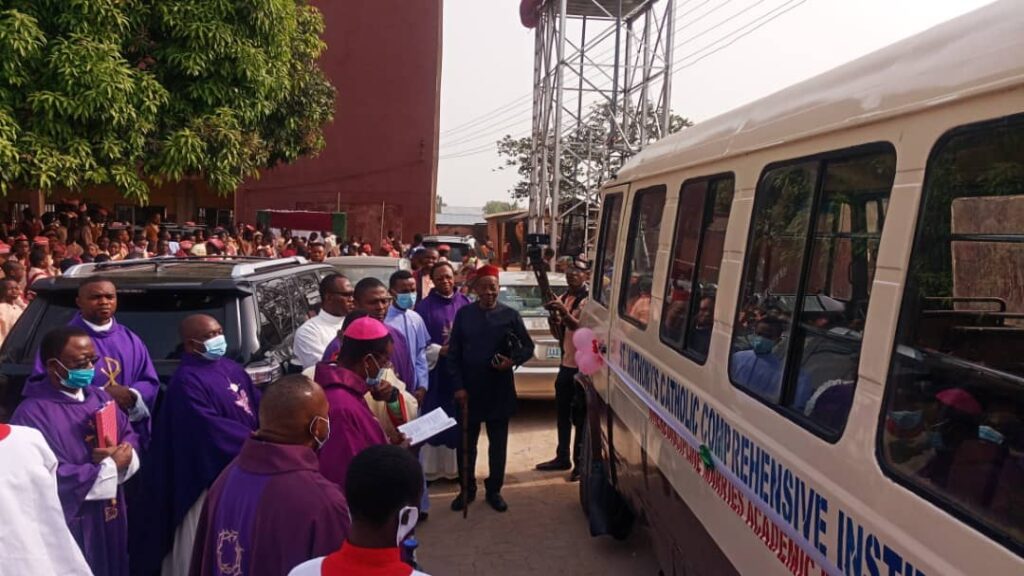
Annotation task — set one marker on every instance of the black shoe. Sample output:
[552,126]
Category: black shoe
[497,502]
[575,475]
[460,502]
[553,465]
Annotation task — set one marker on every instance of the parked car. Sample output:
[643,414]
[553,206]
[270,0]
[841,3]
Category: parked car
[459,246]
[355,268]
[259,302]
[519,290]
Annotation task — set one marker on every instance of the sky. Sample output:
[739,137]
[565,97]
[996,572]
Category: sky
[487,67]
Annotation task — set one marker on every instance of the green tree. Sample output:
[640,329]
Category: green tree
[581,155]
[131,92]
[496,206]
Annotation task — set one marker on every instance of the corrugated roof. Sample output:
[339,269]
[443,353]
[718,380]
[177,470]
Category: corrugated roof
[449,219]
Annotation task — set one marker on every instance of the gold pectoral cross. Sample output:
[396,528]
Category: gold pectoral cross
[112,370]
[110,512]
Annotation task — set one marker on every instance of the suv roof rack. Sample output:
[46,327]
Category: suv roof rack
[246,266]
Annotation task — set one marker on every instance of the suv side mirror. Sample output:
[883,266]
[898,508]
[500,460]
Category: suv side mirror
[263,372]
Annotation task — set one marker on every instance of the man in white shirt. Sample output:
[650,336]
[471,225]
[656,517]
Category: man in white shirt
[90,478]
[337,299]
[41,543]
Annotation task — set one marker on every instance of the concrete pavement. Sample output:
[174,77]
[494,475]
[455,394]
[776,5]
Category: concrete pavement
[543,532]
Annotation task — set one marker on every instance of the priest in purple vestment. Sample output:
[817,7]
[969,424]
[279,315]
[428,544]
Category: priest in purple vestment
[89,479]
[271,509]
[438,312]
[123,366]
[208,412]
[372,296]
[362,358]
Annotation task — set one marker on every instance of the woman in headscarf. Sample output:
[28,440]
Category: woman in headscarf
[438,311]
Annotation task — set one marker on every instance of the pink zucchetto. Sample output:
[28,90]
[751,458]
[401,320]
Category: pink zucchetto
[366,329]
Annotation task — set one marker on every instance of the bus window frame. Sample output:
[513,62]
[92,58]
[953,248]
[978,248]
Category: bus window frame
[782,407]
[602,247]
[944,503]
[634,225]
[708,214]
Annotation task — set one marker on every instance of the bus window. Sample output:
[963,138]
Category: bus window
[606,248]
[692,286]
[814,245]
[642,251]
[954,413]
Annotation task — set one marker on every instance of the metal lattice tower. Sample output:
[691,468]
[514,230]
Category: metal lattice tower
[601,92]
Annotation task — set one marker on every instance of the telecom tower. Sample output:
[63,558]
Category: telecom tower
[601,92]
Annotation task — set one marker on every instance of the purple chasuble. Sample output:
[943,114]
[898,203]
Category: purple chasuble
[124,359]
[209,410]
[353,426]
[99,526]
[438,313]
[401,359]
[269,511]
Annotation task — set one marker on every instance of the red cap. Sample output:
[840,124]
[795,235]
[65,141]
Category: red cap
[444,247]
[4,248]
[961,400]
[41,241]
[217,243]
[488,271]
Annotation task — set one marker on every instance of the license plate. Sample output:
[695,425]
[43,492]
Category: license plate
[554,353]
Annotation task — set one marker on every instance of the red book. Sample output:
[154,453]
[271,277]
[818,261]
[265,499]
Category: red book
[106,425]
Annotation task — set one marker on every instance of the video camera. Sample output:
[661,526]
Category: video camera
[535,244]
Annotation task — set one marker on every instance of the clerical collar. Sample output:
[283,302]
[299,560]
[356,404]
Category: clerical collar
[77,395]
[328,316]
[97,328]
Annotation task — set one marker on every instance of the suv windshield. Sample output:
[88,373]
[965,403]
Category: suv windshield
[528,300]
[456,254]
[153,315]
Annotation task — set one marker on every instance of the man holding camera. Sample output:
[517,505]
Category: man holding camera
[569,397]
[488,340]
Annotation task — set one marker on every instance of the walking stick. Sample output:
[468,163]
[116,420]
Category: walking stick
[465,458]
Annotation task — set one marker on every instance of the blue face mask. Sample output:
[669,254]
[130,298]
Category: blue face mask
[406,301]
[77,378]
[906,419]
[374,381]
[215,347]
[990,434]
[761,345]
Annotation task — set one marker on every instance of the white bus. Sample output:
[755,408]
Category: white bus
[812,317]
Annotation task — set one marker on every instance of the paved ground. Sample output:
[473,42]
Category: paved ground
[544,532]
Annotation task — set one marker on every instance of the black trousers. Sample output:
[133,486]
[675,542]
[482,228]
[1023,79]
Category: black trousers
[497,453]
[571,405]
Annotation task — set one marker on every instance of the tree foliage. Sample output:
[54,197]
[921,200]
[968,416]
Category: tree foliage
[496,206]
[583,161]
[132,92]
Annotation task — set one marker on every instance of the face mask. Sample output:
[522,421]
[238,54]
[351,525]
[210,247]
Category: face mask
[407,518]
[406,301]
[906,419]
[374,381]
[77,378]
[215,347]
[990,434]
[761,345]
[312,431]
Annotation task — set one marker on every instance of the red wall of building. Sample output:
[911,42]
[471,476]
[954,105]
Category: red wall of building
[380,162]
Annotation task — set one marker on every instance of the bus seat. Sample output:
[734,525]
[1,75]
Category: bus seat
[974,471]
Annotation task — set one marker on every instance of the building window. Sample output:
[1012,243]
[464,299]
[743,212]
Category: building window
[692,286]
[606,248]
[953,425]
[810,262]
[642,254]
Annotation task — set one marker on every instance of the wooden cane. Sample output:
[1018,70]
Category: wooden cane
[465,458]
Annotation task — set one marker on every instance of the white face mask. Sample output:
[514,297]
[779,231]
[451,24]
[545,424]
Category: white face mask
[407,519]
[312,431]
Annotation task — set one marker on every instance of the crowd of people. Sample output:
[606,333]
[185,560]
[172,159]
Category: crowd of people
[308,475]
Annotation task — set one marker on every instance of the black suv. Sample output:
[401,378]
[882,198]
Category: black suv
[259,302]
